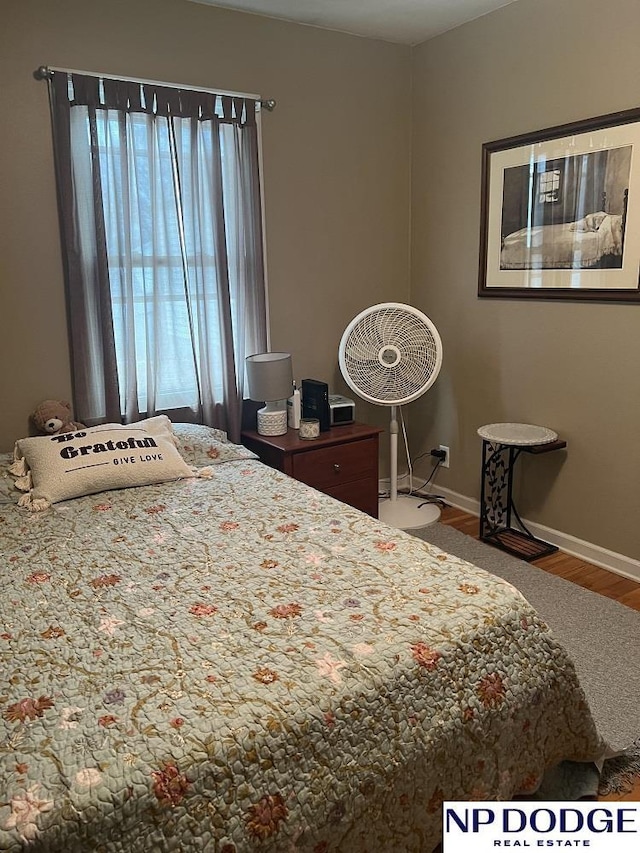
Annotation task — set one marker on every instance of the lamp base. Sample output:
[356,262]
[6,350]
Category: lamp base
[272,422]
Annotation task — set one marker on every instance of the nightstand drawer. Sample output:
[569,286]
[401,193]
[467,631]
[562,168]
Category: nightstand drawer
[329,467]
[362,494]
[342,462]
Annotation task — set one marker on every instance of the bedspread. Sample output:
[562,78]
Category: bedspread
[238,662]
[570,245]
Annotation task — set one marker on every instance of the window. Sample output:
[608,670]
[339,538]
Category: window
[549,186]
[164,248]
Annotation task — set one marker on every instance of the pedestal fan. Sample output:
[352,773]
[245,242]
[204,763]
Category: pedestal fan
[391,354]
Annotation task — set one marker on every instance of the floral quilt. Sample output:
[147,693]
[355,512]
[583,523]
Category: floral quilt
[236,662]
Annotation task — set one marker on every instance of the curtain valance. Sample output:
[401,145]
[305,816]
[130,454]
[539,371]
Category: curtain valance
[104,93]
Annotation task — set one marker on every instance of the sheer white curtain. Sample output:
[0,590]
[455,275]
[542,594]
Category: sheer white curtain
[163,213]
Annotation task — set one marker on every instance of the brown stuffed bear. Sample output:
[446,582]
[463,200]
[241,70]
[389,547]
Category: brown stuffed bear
[53,417]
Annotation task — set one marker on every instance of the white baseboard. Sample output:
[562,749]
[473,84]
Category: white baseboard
[627,567]
[595,554]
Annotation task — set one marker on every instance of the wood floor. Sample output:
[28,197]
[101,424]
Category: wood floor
[579,572]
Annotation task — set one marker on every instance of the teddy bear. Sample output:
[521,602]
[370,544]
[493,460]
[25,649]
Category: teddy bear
[53,417]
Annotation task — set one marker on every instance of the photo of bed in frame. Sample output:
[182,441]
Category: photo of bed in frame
[595,241]
[225,659]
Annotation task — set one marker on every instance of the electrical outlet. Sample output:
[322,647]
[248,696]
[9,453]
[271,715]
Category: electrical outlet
[445,461]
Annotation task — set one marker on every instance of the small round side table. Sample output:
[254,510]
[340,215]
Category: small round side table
[502,444]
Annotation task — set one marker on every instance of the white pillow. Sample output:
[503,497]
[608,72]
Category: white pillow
[58,467]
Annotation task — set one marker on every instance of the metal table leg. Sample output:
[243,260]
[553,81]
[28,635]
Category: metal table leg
[497,505]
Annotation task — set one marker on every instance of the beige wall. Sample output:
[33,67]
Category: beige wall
[572,366]
[336,169]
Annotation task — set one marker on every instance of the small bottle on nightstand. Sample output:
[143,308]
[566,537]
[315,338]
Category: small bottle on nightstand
[294,409]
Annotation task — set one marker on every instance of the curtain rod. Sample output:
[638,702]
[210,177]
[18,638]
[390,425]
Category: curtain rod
[44,72]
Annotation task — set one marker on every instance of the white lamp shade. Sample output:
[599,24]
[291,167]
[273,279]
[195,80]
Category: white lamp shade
[270,376]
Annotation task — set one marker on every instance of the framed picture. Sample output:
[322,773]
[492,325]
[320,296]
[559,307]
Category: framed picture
[561,212]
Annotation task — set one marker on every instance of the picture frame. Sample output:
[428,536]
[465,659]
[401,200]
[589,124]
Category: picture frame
[560,212]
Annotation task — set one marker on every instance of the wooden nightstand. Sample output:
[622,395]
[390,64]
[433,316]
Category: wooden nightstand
[343,462]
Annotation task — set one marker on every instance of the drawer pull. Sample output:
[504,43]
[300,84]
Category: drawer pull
[336,467]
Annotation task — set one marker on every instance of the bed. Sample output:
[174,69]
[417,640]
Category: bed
[233,661]
[591,242]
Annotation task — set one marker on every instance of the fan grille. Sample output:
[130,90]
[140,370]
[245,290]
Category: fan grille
[390,354]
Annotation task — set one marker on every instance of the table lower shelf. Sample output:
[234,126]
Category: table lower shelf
[519,544]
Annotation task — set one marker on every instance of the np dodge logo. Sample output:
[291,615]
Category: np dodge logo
[481,826]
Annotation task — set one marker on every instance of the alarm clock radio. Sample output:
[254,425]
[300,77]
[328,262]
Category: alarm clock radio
[342,410]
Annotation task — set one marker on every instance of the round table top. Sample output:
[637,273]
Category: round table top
[521,435]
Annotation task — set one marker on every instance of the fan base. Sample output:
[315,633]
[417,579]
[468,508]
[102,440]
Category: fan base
[407,512]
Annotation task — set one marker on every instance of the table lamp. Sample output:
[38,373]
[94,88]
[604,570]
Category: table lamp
[270,380]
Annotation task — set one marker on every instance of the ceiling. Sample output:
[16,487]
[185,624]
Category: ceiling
[403,21]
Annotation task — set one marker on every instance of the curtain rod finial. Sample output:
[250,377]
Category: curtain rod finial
[42,73]
[268,104]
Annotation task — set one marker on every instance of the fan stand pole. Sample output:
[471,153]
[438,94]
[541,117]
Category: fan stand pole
[393,452]
[405,512]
